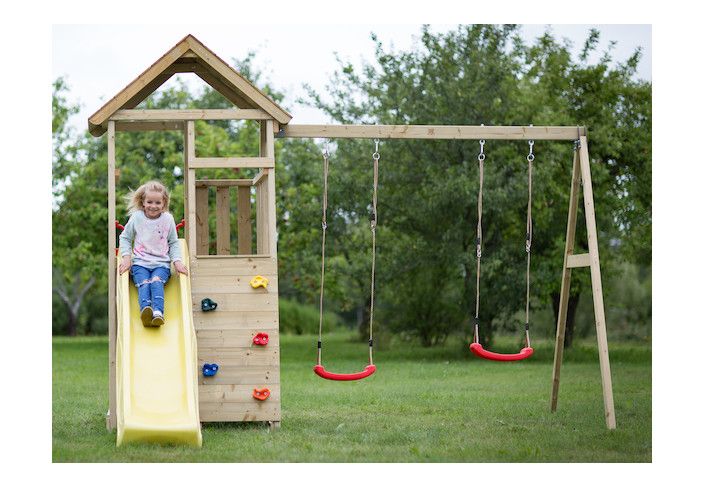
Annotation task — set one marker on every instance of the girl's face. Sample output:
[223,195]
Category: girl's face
[153,204]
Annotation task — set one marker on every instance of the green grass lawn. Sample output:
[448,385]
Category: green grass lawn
[422,405]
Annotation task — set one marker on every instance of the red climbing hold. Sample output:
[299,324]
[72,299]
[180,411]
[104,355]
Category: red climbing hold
[261,339]
[261,394]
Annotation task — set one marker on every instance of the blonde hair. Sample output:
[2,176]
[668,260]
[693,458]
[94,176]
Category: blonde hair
[135,199]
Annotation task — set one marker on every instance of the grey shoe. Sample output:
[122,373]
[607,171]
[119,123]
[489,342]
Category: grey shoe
[146,316]
[157,319]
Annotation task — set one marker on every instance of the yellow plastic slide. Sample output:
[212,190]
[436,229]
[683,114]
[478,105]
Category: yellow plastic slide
[156,367]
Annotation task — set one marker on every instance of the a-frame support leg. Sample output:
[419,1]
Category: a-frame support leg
[565,280]
[581,169]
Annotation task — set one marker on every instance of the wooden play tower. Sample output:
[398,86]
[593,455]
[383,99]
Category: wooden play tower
[226,335]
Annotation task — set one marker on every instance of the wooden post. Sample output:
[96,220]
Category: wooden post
[262,188]
[111,418]
[190,183]
[565,280]
[596,279]
[271,190]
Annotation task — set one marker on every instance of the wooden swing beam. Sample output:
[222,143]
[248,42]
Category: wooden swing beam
[458,132]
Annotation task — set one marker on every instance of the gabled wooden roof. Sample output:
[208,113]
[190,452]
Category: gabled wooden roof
[189,55]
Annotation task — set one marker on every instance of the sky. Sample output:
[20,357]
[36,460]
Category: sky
[289,56]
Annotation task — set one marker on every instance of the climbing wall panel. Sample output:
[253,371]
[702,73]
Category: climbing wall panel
[225,337]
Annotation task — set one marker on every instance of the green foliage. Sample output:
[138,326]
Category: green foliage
[298,319]
[428,189]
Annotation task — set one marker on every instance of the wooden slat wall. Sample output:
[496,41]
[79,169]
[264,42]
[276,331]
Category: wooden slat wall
[224,336]
[244,221]
[222,211]
[202,230]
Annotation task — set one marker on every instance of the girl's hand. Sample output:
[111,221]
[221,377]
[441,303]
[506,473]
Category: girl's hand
[125,264]
[180,267]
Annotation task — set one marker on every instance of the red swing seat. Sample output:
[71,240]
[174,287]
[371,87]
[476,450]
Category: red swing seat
[477,349]
[322,372]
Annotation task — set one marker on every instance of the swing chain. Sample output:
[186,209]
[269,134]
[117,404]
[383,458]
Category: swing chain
[326,156]
[480,160]
[373,214]
[530,157]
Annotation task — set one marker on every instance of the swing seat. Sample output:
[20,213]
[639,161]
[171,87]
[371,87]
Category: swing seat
[477,349]
[322,372]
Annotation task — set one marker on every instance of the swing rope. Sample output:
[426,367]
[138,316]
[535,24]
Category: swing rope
[373,228]
[481,163]
[529,237]
[324,225]
[371,368]
[476,347]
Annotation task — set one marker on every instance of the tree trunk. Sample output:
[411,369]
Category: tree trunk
[72,325]
[363,320]
[573,300]
[73,303]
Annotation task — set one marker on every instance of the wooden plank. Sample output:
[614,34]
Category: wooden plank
[243,375]
[244,221]
[222,220]
[208,183]
[596,278]
[239,83]
[221,339]
[565,280]
[469,132]
[111,419]
[227,91]
[232,162]
[232,284]
[267,356]
[143,115]
[259,300]
[139,88]
[234,265]
[202,229]
[256,180]
[183,65]
[234,393]
[235,320]
[211,257]
[265,412]
[578,260]
[148,126]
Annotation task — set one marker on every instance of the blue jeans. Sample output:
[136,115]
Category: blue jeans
[150,286]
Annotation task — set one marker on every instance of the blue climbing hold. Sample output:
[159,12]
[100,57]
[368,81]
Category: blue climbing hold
[209,370]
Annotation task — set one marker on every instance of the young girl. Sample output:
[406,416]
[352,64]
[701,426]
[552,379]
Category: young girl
[156,246]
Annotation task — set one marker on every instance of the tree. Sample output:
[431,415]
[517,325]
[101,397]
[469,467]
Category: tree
[486,75]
